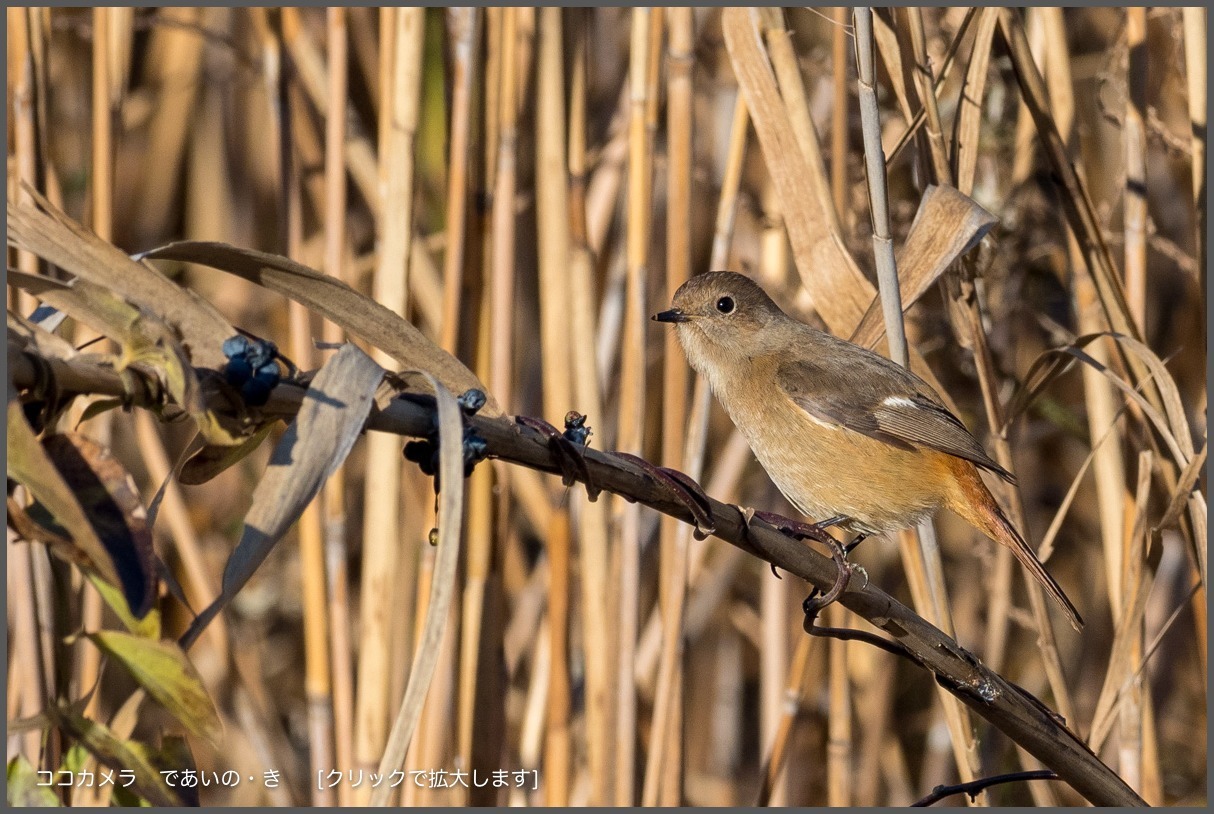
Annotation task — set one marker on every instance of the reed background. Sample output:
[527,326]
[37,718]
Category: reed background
[527,187]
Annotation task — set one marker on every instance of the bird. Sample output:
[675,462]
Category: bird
[842,431]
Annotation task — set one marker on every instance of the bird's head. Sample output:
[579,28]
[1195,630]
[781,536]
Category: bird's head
[724,317]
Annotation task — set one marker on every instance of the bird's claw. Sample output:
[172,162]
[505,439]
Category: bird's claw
[799,530]
[859,569]
[816,601]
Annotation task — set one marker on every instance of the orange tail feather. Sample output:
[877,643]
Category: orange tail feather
[975,503]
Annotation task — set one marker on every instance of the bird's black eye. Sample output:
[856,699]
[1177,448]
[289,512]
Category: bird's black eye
[725,305]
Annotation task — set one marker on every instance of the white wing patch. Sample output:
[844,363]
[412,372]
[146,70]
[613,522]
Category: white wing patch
[898,401]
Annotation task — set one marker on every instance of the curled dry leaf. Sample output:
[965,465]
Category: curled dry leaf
[110,500]
[361,316]
[212,459]
[144,336]
[43,230]
[442,586]
[317,441]
[947,225]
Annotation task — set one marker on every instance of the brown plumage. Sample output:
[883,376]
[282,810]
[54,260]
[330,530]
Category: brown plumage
[840,430]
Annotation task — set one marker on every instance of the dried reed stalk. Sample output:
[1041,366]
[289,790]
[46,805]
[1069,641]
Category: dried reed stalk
[1134,212]
[840,766]
[838,115]
[174,57]
[552,216]
[591,517]
[105,96]
[774,593]
[334,499]
[400,53]
[464,28]
[488,516]
[1195,27]
[1134,569]
[557,754]
[932,592]
[625,516]
[502,278]
[317,682]
[883,244]
[22,88]
[672,575]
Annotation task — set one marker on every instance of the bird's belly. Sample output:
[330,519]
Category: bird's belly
[842,472]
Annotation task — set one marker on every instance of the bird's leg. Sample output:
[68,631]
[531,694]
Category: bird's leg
[749,514]
[859,538]
[802,531]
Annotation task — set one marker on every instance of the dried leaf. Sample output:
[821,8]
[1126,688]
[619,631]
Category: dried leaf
[144,337]
[212,459]
[337,302]
[968,122]
[442,586]
[29,465]
[334,410]
[109,497]
[947,225]
[1054,362]
[56,238]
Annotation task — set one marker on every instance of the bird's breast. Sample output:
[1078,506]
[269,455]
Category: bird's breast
[825,469]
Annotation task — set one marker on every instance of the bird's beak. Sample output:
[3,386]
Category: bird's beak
[673,315]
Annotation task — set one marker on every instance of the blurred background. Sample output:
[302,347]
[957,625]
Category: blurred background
[527,187]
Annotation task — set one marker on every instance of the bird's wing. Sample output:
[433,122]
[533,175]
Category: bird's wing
[897,409]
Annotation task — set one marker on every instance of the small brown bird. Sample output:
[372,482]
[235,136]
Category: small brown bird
[842,431]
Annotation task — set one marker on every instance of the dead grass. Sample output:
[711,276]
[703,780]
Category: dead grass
[526,187]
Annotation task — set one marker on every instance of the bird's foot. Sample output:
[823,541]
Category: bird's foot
[799,530]
[816,601]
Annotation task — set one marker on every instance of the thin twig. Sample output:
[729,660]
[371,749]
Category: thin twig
[975,786]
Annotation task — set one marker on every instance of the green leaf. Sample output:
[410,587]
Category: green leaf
[163,669]
[23,788]
[148,627]
[118,754]
[74,758]
[29,465]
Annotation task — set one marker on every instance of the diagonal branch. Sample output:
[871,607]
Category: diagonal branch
[1013,711]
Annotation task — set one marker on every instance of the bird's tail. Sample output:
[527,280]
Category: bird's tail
[978,506]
